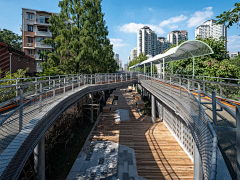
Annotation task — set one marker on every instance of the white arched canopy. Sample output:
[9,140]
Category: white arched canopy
[188,49]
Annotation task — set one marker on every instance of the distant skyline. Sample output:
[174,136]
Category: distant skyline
[123,18]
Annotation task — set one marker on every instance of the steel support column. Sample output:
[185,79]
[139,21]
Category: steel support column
[91,102]
[103,97]
[198,171]
[39,160]
[153,108]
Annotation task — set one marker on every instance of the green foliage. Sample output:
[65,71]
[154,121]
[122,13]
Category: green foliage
[230,17]
[19,74]
[79,39]
[10,38]
[215,65]
[142,57]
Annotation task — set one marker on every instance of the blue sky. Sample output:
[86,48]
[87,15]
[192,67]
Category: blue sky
[124,17]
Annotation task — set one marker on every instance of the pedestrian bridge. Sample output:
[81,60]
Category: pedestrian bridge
[178,120]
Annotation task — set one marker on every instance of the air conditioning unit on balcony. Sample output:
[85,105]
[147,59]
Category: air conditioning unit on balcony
[29,45]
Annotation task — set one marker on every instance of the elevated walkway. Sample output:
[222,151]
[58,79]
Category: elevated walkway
[158,155]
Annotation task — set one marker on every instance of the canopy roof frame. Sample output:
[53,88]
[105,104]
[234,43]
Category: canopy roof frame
[173,51]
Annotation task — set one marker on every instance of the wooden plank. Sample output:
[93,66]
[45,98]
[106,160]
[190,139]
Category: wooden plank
[158,154]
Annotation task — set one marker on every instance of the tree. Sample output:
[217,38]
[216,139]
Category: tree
[10,38]
[230,17]
[80,39]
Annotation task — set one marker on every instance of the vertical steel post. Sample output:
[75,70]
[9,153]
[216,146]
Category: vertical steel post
[180,82]
[126,76]
[121,78]
[136,88]
[153,109]
[238,141]
[84,80]
[221,86]
[39,160]
[36,85]
[151,70]
[199,93]
[103,97]
[203,84]
[189,91]
[49,83]
[64,87]
[79,79]
[91,79]
[193,67]
[144,69]
[214,108]
[54,85]
[17,87]
[21,109]
[163,69]
[91,102]
[40,98]
[115,78]
[170,85]
[198,171]
[72,83]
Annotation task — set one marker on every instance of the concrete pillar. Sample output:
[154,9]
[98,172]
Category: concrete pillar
[91,101]
[39,160]
[153,107]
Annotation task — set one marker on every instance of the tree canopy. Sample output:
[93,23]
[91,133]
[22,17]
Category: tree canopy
[230,17]
[10,38]
[79,39]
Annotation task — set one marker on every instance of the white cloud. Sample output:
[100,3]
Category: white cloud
[174,26]
[133,27]
[199,17]
[172,20]
[150,9]
[117,43]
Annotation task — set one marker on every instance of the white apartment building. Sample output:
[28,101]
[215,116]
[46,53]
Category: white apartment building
[162,45]
[125,67]
[116,57]
[234,54]
[120,64]
[209,28]
[133,54]
[34,30]
[177,36]
[146,41]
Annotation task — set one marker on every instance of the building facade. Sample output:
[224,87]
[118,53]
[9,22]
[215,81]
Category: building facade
[210,28]
[175,37]
[17,59]
[234,54]
[120,64]
[146,41]
[34,30]
[125,67]
[162,45]
[116,57]
[133,54]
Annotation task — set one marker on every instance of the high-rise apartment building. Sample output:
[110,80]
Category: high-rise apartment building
[120,64]
[177,36]
[146,41]
[116,57]
[210,28]
[133,54]
[162,45]
[34,30]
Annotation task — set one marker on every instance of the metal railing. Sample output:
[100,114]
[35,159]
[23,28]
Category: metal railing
[192,97]
[15,124]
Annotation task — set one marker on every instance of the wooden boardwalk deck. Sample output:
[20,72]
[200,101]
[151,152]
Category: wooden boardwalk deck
[158,155]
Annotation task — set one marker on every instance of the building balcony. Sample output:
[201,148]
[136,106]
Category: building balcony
[42,45]
[44,33]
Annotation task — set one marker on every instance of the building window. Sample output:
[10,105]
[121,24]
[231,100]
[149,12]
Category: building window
[42,19]
[30,40]
[46,20]
[30,28]
[39,39]
[30,51]
[42,28]
[30,16]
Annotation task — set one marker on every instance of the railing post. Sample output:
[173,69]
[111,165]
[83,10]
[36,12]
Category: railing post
[72,83]
[16,87]
[49,83]
[214,108]
[170,85]
[189,91]
[91,102]
[84,80]
[21,109]
[36,85]
[126,76]
[115,78]
[79,79]
[54,85]
[91,79]
[199,93]
[221,86]
[40,98]
[203,84]
[121,77]
[64,87]
[180,82]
